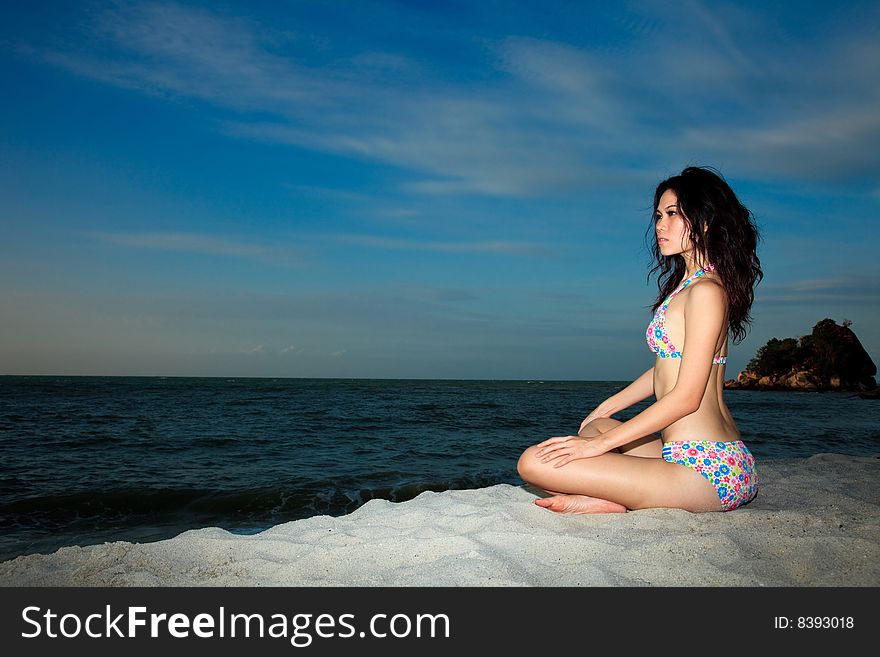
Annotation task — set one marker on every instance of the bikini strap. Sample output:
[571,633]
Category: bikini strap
[708,268]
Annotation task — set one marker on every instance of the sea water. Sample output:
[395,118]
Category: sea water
[93,459]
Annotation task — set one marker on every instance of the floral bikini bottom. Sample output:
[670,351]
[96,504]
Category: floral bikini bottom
[729,467]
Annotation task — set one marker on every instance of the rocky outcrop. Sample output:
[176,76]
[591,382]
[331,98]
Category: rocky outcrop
[830,358]
[793,380]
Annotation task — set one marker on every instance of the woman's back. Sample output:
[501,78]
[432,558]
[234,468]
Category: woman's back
[712,418]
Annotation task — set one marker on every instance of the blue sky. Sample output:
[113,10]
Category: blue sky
[416,190]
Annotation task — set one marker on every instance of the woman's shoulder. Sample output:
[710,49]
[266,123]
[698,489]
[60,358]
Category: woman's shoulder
[708,289]
[711,277]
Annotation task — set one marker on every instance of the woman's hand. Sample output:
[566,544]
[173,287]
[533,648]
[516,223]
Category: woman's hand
[559,450]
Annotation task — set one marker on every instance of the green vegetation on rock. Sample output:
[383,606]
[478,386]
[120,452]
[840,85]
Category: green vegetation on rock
[830,358]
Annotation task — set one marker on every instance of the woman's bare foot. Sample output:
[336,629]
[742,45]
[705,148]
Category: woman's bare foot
[579,504]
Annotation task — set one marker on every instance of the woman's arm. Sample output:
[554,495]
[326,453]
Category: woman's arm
[635,392]
[640,389]
[559,450]
[659,415]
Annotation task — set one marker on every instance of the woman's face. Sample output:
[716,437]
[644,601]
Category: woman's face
[672,232]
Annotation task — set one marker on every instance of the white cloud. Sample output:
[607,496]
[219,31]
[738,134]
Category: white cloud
[495,246]
[709,81]
[726,38]
[858,287]
[331,193]
[201,243]
[477,139]
[815,147]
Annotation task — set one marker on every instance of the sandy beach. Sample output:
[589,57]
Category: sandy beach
[815,522]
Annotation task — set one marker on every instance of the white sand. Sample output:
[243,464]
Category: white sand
[815,522]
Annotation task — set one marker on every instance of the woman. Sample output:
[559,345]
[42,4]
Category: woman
[704,242]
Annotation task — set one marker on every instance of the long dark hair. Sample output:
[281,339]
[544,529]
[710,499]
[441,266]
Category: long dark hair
[730,243]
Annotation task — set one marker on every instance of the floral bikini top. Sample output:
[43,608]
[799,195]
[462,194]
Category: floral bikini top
[658,340]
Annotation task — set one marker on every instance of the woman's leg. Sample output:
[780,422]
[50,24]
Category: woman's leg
[616,480]
[629,481]
[563,503]
[649,446]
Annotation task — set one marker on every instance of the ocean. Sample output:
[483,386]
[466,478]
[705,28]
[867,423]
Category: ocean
[92,459]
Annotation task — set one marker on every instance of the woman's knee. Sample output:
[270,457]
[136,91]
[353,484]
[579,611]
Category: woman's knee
[599,425]
[528,463]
